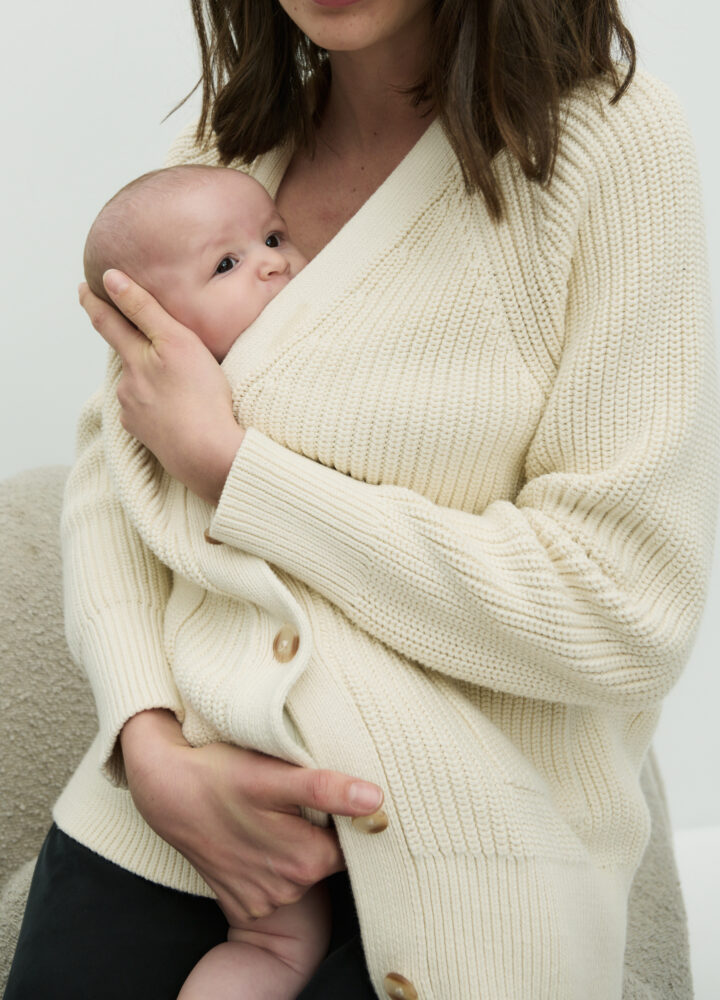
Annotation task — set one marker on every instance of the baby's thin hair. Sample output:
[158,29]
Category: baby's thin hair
[114,237]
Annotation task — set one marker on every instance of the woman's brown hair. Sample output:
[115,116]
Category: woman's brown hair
[498,69]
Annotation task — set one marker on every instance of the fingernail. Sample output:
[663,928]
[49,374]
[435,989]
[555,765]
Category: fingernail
[364,796]
[115,281]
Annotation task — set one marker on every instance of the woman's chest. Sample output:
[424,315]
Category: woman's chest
[410,351]
[410,377]
[316,197]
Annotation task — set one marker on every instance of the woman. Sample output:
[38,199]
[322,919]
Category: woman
[474,441]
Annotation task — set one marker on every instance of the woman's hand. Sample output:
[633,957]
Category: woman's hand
[174,396]
[234,813]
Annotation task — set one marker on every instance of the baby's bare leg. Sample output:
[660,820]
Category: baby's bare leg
[267,959]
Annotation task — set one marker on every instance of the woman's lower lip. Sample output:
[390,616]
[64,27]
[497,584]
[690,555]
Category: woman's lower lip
[335,3]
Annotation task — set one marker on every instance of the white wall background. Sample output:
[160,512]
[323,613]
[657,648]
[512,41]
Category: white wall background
[86,86]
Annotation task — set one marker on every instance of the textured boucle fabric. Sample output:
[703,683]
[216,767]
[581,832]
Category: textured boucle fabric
[47,719]
[479,483]
[46,712]
[654,964]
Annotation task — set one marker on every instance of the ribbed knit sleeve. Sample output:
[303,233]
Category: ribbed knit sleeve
[115,591]
[587,588]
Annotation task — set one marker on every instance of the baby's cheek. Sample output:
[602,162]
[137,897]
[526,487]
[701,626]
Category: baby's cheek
[218,329]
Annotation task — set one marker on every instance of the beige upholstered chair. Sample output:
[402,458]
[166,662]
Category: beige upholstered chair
[47,720]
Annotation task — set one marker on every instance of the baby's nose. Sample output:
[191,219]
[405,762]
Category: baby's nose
[272,262]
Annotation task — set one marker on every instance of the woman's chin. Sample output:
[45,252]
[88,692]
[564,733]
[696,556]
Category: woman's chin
[353,25]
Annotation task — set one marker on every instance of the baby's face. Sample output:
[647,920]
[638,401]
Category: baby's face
[216,254]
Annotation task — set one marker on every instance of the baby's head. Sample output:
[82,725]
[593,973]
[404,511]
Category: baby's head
[206,242]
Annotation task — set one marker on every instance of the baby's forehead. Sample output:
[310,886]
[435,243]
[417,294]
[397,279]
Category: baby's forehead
[194,211]
[218,189]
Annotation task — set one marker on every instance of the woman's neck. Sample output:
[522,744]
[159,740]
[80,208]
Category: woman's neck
[368,126]
[368,102]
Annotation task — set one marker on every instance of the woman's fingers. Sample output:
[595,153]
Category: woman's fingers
[121,335]
[139,306]
[326,857]
[227,810]
[286,787]
[332,792]
[146,320]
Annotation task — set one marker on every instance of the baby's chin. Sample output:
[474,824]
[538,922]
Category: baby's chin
[222,351]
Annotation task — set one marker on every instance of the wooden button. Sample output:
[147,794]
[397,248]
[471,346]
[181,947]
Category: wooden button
[374,823]
[285,644]
[399,987]
[209,538]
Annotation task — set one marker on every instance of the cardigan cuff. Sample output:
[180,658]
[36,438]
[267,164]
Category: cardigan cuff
[297,514]
[140,680]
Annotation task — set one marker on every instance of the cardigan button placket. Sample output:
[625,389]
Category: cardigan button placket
[286,644]
[399,987]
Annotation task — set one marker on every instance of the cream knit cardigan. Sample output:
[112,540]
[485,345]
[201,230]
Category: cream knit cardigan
[478,484]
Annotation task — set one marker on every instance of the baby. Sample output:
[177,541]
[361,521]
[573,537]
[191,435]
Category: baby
[206,242]
[209,245]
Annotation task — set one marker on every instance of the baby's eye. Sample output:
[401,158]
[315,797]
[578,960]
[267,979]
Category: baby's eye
[225,265]
[273,241]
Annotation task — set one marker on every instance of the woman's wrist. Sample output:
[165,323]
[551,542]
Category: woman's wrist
[147,734]
[220,462]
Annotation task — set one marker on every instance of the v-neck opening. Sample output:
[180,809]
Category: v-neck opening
[368,232]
